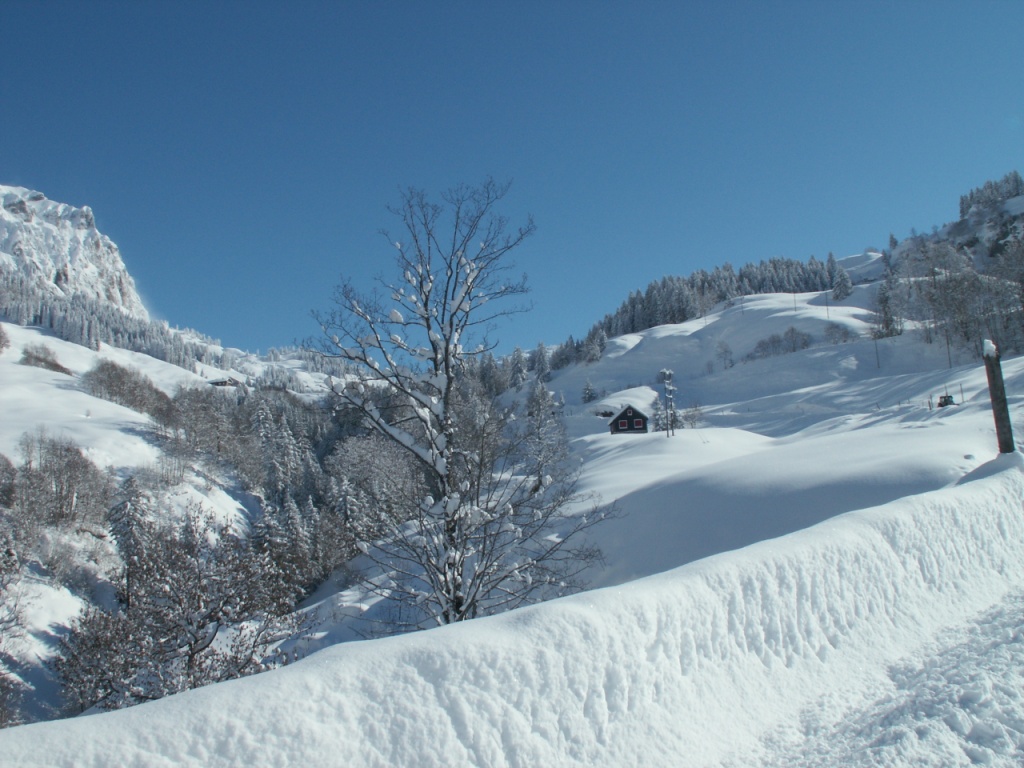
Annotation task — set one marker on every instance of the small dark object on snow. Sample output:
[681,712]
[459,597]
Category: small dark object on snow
[945,400]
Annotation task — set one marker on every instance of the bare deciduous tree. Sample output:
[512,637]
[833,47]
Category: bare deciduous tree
[203,607]
[492,527]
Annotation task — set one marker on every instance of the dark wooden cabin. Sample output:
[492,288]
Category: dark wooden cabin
[230,381]
[630,420]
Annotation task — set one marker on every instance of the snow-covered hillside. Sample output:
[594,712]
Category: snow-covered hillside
[33,398]
[761,656]
[827,571]
[785,441]
[823,568]
[116,439]
[58,249]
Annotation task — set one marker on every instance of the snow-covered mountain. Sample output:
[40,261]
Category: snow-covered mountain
[58,249]
[827,570]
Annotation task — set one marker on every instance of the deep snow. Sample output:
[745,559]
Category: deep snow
[826,572]
[733,660]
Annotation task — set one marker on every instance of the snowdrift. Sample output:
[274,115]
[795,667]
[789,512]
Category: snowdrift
[697,666]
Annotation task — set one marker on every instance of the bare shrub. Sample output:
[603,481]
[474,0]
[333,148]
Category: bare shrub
[41,356]
[838,334]
[693,415]
[127,387]
[792,340]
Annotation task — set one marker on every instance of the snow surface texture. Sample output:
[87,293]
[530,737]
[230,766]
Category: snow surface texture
[32,398]
[734,660]
[58,247]
[889,633]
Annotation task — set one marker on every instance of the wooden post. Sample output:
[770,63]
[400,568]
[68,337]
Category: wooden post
[670,403]
[997,393]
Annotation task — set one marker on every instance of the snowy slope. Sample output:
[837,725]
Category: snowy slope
[114,438]
[882,636]
[58,248]
[826,572]
[785,442]
[31,398]
[734,660]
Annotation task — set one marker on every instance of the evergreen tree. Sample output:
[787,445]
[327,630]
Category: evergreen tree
[540,362]
[564,354]
[839,279]
[888,309]
[128,521]
[594,344]
[518,369]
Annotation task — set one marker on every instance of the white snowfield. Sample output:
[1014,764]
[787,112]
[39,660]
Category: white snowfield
[32,398]
[828,572]
[743,659]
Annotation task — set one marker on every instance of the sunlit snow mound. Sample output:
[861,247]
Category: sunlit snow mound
[737,659]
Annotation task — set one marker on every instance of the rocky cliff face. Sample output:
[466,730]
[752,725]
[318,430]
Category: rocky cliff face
[58,248]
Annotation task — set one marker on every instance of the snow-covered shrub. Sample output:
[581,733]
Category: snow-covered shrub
[201,609]
[72,558]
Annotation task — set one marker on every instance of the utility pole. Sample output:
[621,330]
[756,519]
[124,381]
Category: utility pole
[997,393]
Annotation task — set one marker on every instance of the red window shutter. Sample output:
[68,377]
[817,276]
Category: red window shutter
[638,423]
[623,424]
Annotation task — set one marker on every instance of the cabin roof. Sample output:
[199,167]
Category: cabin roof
[625,413]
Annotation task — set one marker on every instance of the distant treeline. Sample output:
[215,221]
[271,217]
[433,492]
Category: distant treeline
[678,299]
[992,192]
[89,322]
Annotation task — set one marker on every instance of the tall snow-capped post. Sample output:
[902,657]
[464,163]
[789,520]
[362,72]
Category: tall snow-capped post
[997,393]
[670,402]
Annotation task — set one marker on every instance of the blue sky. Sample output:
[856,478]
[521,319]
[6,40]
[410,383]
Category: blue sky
[242,154]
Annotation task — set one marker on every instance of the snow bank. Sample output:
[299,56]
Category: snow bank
[697,666]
